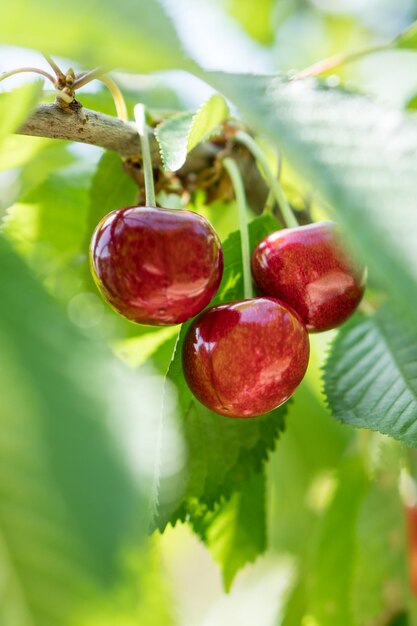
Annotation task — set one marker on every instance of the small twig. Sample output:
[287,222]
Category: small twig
[234,173]
[270,200]
[58,73]
[87,77]
[98,74]
[34,70]
[117,96]
[337,60]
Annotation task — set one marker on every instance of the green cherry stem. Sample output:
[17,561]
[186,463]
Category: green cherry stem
[98,74]
[270,200]
[117,96]
[140,118]
[274,183]
[239,189]
[58,73]
[87,77]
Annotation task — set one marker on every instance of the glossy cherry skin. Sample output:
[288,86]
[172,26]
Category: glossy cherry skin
[310,269]
[243,359]
[156,266]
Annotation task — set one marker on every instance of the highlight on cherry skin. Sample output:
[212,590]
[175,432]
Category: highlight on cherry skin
[156,266]
[245,358]
[310,269]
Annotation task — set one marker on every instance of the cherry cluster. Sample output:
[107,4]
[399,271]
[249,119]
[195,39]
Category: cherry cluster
[240,359]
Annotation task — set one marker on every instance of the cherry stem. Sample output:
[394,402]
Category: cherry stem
[59,73]
[34,70]
[87,77]
[270,200]
[117,96]
[274,184]
[339,59]
[98,74]
[140,117]
[239,189]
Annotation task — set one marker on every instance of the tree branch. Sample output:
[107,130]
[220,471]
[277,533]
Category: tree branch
[91,127]
[86,126]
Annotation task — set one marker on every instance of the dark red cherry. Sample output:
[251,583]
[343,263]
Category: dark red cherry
[309,268]
[243,359]
[156,266]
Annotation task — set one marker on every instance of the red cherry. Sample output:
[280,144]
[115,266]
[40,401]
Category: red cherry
[156,266]
[243,359]
[309,268]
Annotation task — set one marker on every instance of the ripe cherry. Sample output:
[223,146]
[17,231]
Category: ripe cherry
[156,266]
[243,359]
[309,268]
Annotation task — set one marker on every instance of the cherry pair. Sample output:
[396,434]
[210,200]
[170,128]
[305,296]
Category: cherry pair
[241,359]
[246,358]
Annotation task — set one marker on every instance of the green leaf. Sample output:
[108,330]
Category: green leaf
[235,532]
[408,38]
[111,189]
[222,453]
[71,386]
[371,376]
[16,106]
[172,136]
[45,571]
[212,113]
[381,562]
[17,150]
[145,596]
[412,103]
[178,135]
[137,350]
[302,470]
[53,156]
[303,477]
[334,549]
[256,18]
[141,34]
[49,227]
[347,147]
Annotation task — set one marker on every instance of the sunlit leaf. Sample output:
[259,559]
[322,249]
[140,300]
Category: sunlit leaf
[111,189]
[16,105]
[334,550]
[63,429]
[235,532]
[408,38]
[141,34]
[41,554]
[178,135]
[301,484]
[371,376]
[144,597]
[381,556]
[17,150]
[256,18]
